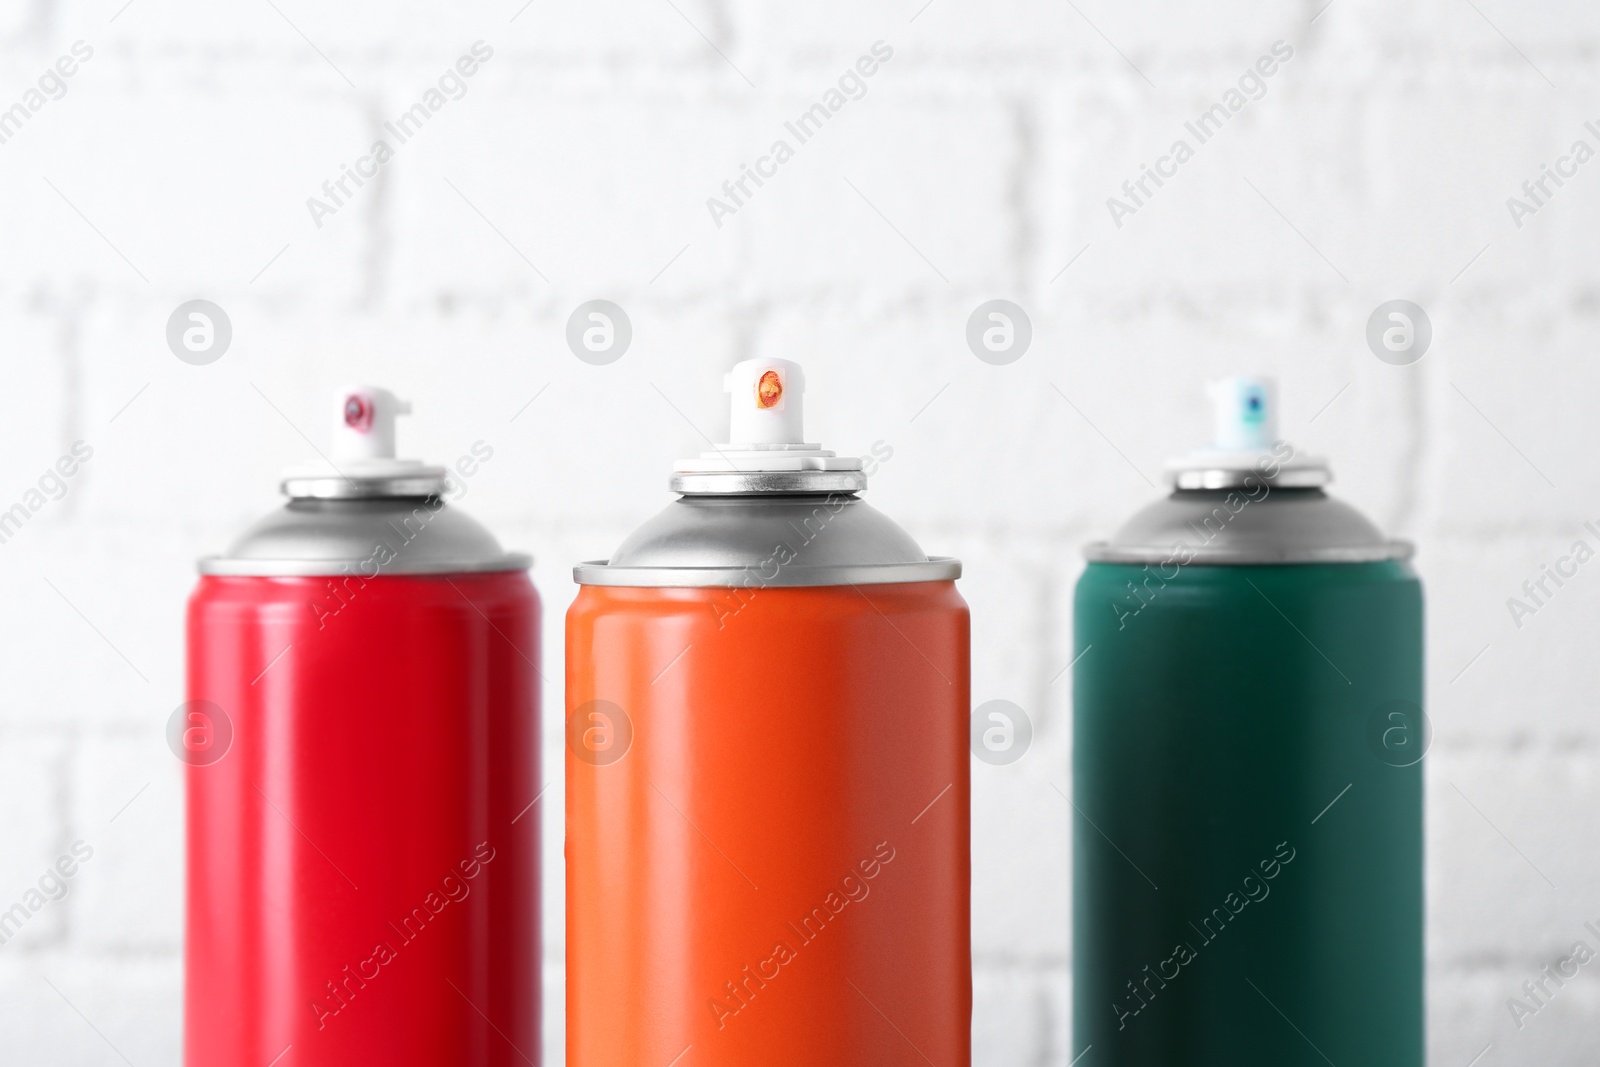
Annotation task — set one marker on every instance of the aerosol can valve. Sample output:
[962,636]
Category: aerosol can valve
[766,402]
[1245,414]
[363,428]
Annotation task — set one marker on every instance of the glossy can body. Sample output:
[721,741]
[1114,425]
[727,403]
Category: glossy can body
[1247,857]
[774,868]
[362,867]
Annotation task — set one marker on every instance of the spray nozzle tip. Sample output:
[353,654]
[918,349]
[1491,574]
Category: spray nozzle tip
[1245,413]
[769,389]
[358,413]
[765,406]
[364,427]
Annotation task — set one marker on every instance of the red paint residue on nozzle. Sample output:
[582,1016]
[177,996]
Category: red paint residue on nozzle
[358,413]
[769,390]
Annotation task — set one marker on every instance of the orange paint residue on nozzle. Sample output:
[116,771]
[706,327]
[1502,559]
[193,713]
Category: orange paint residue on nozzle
[769,390]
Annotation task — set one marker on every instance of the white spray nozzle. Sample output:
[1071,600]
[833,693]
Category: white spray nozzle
[1245,414]
[363,427]
[362,461]
[1245,448]
[767,402]
[766,425]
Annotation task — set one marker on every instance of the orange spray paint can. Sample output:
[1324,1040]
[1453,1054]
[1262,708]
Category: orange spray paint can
[767,777]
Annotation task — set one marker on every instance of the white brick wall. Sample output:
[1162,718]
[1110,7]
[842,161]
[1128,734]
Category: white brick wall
[990,142]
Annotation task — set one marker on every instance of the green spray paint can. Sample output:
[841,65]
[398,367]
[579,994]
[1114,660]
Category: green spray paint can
[1248,737]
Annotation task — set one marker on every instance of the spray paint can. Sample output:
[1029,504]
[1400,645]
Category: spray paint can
[362,738]
[767,770]
[1248,736]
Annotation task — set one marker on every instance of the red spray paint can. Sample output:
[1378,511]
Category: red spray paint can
[361,734]
[767,772]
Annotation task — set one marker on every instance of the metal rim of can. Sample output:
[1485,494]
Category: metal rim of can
[1244,477]
[933,569]
[1102,552]
[429,481]
[749,483]
[224,567]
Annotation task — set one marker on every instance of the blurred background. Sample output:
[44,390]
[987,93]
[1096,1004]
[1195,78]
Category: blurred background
[1394,153]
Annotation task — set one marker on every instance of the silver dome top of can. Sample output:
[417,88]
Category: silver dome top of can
[768,508]
[1249,498]
[362,512]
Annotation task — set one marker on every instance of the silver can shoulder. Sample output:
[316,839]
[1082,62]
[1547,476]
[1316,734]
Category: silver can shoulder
[1277,524]
[771,540]
[415,535]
